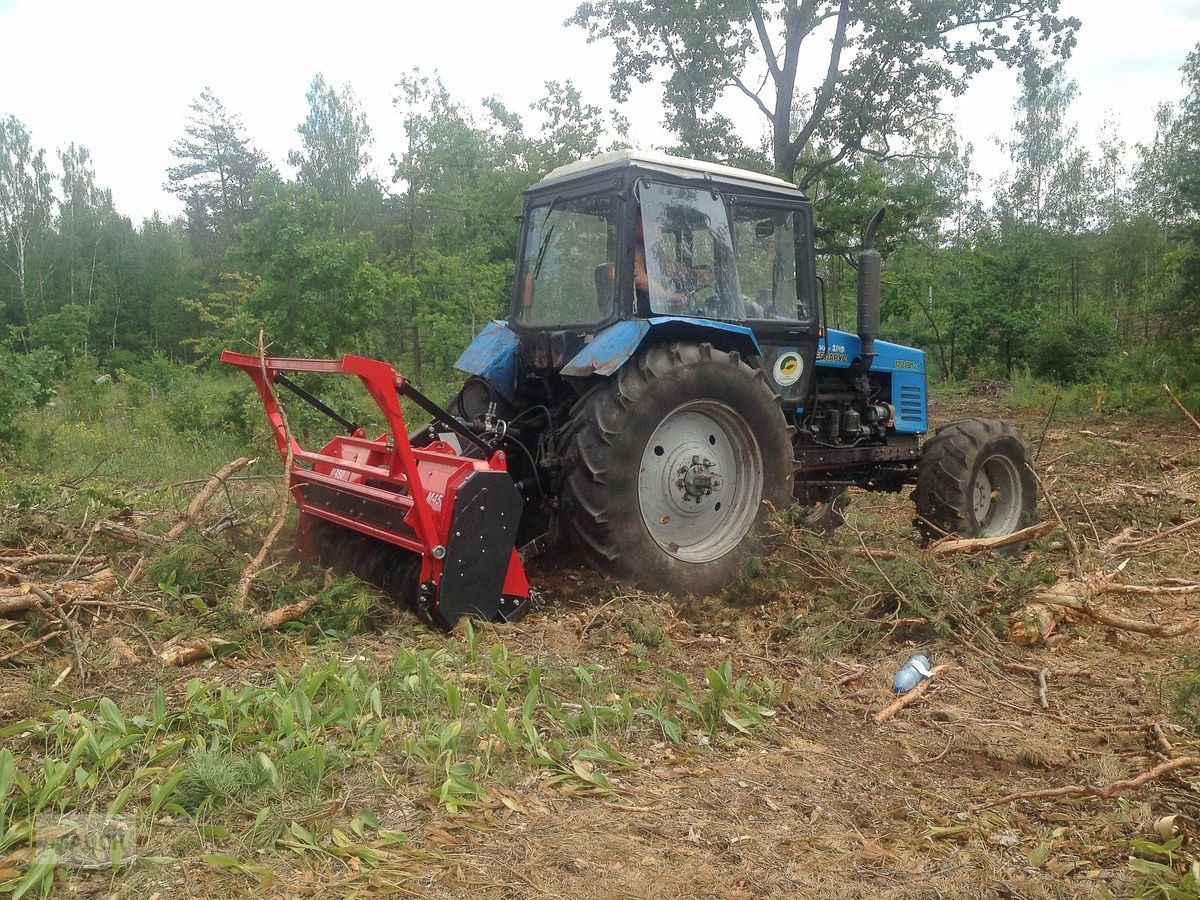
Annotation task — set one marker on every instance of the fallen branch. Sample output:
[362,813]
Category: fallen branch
[948,546]
[1183,409]
[1084,790]
[126,534]
[23,597]
[1049,607]
[252,568]
[32,645]
[1043,688]
[910,697]
[205,494]
[44,559]
[1133,545]
[1112,620]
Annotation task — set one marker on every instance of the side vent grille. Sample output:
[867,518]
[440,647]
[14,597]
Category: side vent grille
[909,406]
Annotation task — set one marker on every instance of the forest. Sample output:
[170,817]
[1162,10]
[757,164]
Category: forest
[188,710]
[1077,265]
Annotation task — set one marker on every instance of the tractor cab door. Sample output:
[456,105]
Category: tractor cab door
[704,254]
[773,247]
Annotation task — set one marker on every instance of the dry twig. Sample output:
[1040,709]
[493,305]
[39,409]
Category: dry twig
[909,698]
[1183,409]
[1085,790]
[253,567]
[32,645]
[72,630]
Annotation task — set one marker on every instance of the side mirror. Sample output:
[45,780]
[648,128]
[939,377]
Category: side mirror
[764,228]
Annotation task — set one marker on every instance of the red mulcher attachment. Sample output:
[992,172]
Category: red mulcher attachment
[459,513]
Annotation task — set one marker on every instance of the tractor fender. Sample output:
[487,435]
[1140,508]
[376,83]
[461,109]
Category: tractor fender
[493,357]
[612,347]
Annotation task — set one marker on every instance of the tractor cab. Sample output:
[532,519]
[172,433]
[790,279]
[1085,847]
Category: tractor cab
[628,243]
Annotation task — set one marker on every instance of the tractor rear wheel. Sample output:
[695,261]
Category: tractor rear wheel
[975,479]
[668,465]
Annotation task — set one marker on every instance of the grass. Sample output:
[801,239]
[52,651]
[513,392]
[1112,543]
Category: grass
[228,768]
[338,751]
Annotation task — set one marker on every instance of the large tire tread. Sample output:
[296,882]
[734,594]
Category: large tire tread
[598,464]
[948,467]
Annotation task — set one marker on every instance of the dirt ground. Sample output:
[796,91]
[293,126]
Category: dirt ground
[820,801]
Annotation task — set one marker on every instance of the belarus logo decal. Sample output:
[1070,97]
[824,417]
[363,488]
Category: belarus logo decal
[788,368]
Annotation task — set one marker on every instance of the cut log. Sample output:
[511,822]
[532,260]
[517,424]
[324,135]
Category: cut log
[289,613]
[1034,623]
[189,651]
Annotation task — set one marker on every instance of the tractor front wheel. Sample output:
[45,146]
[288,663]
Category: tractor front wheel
[975,479]
[669,464]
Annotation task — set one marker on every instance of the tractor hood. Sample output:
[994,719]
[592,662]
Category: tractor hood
[906,365]
[839,349]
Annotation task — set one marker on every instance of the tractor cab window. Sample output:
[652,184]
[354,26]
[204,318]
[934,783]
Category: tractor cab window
[765,239]
[568,272]
[683,258]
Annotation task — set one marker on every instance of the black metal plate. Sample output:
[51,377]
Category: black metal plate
[483,528]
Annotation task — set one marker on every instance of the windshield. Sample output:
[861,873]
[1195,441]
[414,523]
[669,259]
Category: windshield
[765,238]
[683,259]
[569,270]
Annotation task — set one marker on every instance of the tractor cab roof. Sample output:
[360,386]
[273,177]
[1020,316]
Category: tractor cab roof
[671,166]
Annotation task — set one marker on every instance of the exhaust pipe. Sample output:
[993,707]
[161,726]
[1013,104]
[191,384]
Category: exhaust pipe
[870,270]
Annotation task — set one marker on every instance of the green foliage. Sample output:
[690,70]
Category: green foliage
[924,51]
[1187,695]
[316,294]
[1078,349]
[1164,870]
[25,383]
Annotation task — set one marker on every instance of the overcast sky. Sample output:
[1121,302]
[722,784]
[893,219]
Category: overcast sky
[117,76]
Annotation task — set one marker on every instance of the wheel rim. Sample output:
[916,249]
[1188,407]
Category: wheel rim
[700,481]
[996,497]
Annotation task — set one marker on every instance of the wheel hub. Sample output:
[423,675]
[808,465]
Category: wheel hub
[699,480]
[996,497]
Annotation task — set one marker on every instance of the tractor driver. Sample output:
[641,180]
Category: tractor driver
[686,279]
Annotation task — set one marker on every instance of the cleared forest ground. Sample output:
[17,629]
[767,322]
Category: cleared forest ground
[613,743]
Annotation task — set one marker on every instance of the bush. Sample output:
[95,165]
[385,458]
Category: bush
[25,383]
[1075,350]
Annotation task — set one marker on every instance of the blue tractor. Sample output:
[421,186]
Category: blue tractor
[662,383]
[665,379]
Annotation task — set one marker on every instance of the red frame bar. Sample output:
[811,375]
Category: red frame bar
[381,382]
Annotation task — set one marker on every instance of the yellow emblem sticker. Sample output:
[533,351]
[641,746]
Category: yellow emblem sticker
[788,368]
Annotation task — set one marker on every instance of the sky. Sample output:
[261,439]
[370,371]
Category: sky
[118,76]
